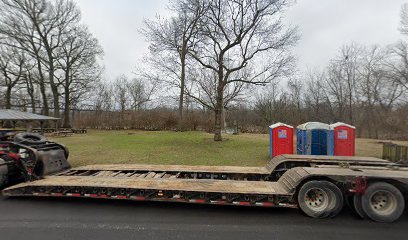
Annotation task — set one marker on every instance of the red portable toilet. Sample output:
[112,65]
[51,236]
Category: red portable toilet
[344,139]
[281,139]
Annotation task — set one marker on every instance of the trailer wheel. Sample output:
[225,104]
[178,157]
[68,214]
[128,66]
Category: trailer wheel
[383,202]
[320,199]
[358,207]
[338,202]
[3,181]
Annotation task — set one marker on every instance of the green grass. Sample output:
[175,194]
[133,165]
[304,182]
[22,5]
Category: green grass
[186,148]
[181,148]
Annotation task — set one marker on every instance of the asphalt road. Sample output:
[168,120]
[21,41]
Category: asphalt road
[25,218]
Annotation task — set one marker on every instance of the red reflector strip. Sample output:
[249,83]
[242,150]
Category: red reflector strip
[138,198]
[265,204]
[197,200]
[242,203]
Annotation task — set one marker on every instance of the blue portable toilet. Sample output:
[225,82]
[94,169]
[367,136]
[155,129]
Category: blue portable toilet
[315,138]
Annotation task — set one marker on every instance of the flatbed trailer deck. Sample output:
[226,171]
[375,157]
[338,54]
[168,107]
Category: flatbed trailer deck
[271,172]
[318,185]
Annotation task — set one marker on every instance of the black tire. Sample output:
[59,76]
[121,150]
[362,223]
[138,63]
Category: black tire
[382,202]
[3,181]
[3,173]
[320,199]
[338,204]
[358,208]
[349,202]
[30,138]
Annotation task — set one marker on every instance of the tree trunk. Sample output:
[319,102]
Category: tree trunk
[67,103]
[8,124]
[54,89]
[67,116]
[30,92]
[182,86]
[351,110]
[8,98]
[33,104]
[46,109]
[55,101]
[218,113]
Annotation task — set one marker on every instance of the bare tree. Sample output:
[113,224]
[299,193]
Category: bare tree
[271,105]
[78,57]
[177,35]
[314,95]
[39,26]
[244,42]
[12,71]
[120,92]
[398,64]
[404,19]
[103,103]
[342,79]
[140,93]
[17,31]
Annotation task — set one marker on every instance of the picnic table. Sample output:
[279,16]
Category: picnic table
[44,130]
[64,130]
[79,130]
[63,133]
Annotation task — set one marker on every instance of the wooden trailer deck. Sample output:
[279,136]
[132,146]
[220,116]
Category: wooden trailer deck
[286,185]
[174,168]
[189,185]
[266,170]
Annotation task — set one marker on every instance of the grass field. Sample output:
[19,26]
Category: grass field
[186,148]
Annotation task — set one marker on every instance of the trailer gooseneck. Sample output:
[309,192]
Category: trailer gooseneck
[376,189]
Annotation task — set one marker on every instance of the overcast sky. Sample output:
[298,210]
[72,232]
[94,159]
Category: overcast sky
[325,25]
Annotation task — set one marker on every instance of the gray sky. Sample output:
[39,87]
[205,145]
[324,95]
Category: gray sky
[325,25]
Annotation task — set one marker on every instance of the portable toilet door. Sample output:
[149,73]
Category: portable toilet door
[344,139]
[316,139]
[281,139]
[301,141]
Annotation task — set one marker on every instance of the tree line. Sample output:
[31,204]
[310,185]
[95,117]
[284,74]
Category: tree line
[228,56]
[49,60]
[363,86]
[211,64]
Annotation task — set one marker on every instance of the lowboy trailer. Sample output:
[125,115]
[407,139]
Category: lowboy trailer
[320,186]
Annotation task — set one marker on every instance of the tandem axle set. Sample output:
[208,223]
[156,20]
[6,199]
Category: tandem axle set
[319,185]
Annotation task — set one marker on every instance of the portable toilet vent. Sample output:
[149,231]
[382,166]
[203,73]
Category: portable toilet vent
[344,139]
[281,139]
[314,138]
